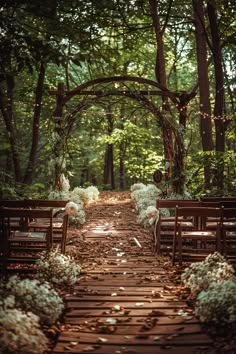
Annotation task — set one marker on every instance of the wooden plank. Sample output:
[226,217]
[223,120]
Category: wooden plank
[62,348]
[141,339]
[101,312]
[126,284]
[124,303]
[121,298]
[129,328]
[162,321]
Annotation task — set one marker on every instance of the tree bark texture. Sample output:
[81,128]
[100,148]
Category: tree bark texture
[6,109]
[219,96]
[204,91]
[35,129]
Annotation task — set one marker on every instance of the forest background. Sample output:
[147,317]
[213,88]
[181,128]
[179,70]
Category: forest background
[106,92]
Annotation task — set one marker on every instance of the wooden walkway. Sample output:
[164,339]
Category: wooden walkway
[125,301]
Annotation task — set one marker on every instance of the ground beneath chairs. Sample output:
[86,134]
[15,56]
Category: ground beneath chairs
[127,300]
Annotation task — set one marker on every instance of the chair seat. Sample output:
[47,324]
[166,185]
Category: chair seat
[198,234]
[40,223]
[27,236]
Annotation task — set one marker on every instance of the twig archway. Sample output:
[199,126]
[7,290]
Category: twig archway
[94,90]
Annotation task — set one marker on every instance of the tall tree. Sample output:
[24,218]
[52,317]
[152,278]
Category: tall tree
[204,90]
[219,104]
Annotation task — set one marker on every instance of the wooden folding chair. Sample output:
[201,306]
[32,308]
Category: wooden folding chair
[22,245]
[60,219]
[164,230]
[229,232]
[199,236]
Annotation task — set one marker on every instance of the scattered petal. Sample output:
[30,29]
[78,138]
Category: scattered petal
[111,320]
[102,340]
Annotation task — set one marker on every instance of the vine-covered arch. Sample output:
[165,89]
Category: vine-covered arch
[132,87]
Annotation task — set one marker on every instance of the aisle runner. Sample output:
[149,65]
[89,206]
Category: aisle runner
[124,301]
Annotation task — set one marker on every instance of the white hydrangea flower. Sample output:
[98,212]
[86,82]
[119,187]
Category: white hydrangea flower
[218,303]
[39,298]
[71,208]
[152,214]
[137,186]
[58,268]
[92,192]
[20,333]
[58,195]
[82,193]
[198,276]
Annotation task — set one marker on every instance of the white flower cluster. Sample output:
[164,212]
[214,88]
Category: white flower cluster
[152,214]
[214,283]
[198,276]
[57,268]
[218,303]
[35,296]
[71,208]
[144,198]
[78,197]
[20,331]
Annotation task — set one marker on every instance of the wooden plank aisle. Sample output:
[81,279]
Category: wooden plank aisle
[125,301]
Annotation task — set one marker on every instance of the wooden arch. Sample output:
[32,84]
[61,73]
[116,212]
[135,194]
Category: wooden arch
[98,91]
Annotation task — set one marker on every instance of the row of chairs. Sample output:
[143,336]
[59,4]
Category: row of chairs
[196,228]
[29,226]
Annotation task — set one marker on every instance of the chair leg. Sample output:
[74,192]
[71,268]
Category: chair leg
[157,232]
[180,247]
[174,247]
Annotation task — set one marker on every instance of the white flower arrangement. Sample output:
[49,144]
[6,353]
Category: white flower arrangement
[198,276]
[34,296]
[144,198]
[93,193]
[71,208]
[82,194]
[58,195]
[58,268]
[164,212]
[78,198]
[152,214]
[137,186]
[78,218]
[20,332]
[218,303]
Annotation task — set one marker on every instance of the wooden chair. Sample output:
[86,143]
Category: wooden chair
[217,199]
[229,232]
[60,218]
[164,229]
[22,245]
[199,237]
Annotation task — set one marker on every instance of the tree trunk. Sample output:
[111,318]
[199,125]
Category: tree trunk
[109,179]
[204,92]
[170,153]
[122,167]
[35,129]
[58,148]
[219,96]
[160,73]
[6,109]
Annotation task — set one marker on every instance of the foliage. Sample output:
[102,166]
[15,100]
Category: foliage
[218,303]
[200,275]
[112,38]
[57,268]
